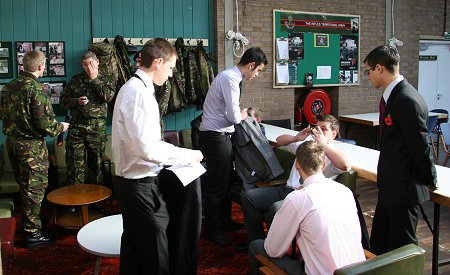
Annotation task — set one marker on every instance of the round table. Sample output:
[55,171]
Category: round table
[102,238]
[78,195]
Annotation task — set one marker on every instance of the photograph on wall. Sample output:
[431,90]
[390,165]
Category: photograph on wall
[348,77]
[56,52]
[6,60]
[23,47]
[19,69]
[296,46]
[321,40]
[41,46]
[4,66]
[55,90]
[1,87]
[348,52]
[56,70]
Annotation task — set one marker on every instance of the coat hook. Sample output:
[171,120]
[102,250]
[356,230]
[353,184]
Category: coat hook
[142,41]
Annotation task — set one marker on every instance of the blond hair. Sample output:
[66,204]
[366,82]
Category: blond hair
[32,60]
[311,157]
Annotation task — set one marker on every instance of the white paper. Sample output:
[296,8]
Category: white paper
[323,72]
[282,73]
[282,48]
[188,172]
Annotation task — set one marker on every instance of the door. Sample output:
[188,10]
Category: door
[434,73]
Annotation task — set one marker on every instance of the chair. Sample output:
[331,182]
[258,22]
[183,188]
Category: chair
[171,136]
[185,138]
[8,183]
[283,123]
[445,140]
[432,122]
[405,260]
[437,129]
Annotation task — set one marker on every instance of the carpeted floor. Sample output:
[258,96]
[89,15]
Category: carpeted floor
[66,257]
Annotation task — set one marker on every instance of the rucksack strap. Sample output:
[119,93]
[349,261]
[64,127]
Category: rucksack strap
[137,76]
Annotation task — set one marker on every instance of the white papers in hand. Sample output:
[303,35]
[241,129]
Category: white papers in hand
[187,172]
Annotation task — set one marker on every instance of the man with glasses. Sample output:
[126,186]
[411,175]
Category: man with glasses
[405,167]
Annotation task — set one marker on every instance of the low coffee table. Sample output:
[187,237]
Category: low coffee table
[102,238]
[78,195]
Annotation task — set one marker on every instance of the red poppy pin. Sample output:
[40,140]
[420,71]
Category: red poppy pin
[388,120]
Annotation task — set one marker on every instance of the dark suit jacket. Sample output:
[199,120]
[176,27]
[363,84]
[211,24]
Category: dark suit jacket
[405,166]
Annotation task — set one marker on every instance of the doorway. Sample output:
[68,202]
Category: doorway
[434,73]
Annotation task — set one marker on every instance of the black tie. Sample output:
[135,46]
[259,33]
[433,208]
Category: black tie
[381,119]
[240,90]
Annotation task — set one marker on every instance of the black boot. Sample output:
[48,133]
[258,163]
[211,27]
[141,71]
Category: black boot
[38,238]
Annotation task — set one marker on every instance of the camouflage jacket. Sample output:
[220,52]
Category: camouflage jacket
[99,92]
[26,109]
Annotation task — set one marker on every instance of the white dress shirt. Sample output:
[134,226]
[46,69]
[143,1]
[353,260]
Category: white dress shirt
[221,109]
[137,148]
[323,218]
[387,92]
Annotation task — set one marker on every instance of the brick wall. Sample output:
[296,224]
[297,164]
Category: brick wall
[412,19]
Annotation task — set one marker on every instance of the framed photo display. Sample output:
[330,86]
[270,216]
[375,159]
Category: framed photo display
[54,53]
[6,66]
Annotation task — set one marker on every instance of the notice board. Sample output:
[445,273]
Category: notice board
[315,49]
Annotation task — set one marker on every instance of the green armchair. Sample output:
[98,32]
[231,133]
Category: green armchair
[406,260]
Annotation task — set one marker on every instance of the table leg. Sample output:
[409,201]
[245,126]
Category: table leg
[435,259]
[85,214]
[97,265]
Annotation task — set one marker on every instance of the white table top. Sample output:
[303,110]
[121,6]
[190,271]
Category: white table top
[372,118]
[102,237]
[365,162]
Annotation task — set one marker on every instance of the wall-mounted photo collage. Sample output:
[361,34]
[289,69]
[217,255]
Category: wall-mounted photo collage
[54,53]
[6,67]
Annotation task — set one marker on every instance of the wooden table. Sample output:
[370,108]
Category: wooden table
[371,119]
[78,195]
[365,161]
[102,238]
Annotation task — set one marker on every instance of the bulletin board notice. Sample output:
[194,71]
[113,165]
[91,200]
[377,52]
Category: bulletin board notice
[315,49]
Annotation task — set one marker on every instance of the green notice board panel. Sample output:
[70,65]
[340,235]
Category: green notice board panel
[315,49]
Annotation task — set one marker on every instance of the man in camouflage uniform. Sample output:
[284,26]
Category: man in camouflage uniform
[28,117]
[87,96]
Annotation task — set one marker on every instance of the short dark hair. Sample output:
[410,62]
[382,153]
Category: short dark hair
[310,156]
[329,118]
[253,55]
[385,56]
[88,55]
[156,48]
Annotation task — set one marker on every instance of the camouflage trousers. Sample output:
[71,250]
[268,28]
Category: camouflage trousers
[29,162]
[84,154]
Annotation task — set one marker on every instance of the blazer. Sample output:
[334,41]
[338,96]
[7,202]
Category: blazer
[405,166]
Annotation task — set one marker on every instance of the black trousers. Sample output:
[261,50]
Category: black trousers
[218,152]
[393,227]
[184,204]
[144,247]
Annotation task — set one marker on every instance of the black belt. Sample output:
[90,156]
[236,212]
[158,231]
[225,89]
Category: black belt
[218,133]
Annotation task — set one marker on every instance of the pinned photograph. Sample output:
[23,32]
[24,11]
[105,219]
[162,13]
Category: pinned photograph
[56,70]
[4,52]
[4,66]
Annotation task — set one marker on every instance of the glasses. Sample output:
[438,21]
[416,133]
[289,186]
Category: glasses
[367,71]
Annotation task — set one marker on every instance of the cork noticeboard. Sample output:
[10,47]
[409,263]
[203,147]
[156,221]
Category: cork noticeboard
[315,49]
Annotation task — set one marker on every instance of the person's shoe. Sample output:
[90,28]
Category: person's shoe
[39,238]
[219,239]
[232,226]
[241,247]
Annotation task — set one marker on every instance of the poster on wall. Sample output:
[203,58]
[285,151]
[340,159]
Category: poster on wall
[6,68]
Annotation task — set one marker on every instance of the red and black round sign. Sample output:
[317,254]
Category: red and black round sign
[316,102]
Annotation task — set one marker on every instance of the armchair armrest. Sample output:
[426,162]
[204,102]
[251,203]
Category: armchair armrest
[271,183]
[268,267]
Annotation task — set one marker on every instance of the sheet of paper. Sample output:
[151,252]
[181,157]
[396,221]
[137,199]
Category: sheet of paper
[323,72]
[188,172]
[282,73]
[282,48]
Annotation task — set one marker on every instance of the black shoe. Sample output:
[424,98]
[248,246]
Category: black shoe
[241,247]
[38,238]
[232,226]
[219,239]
